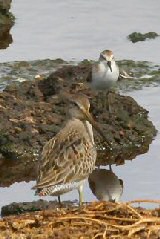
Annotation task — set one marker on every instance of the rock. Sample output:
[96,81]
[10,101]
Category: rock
[6,22]
[137,36]
[32,112]
[5,4]
[40,205]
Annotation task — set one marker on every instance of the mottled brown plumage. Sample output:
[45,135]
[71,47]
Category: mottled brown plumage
[68,158]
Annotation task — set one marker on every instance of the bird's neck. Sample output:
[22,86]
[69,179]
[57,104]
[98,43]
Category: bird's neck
[89,130]
[103,65]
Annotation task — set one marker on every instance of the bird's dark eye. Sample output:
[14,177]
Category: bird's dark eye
[74,103]
[102,57]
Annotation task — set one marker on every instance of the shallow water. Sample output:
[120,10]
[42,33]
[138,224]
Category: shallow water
[81,29]
[140,177]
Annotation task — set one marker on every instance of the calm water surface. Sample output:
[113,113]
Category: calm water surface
[81,29]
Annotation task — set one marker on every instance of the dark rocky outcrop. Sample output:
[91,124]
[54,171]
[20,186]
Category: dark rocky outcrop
[39,205]
[137,36]
[32,112]
[6,22]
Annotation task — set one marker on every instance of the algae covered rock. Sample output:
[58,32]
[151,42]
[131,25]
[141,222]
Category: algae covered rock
[137,36]
[6,22]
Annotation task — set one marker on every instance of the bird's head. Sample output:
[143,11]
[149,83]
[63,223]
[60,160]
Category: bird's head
[79,108]
[108,57]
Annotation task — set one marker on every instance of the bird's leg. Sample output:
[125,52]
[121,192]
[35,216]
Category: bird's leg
[59,200]
[105,96]
[100,100]
[102,104]
[110,167]
[105,101]
[111,99]
[109,103]
[80,191]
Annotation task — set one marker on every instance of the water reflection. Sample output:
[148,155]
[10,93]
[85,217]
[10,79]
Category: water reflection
[6,22]
[5,37]
[105,185]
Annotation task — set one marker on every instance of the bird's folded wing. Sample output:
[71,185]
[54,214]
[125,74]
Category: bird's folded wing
[62,156]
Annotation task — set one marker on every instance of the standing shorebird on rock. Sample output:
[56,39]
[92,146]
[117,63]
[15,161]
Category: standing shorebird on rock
[105,74]
[68,158]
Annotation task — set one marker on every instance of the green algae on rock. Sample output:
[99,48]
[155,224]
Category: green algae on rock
[39,205]
[137,36]
[6,22]
[144,73]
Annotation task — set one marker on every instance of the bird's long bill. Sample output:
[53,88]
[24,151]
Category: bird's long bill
[96,126]
[109,65]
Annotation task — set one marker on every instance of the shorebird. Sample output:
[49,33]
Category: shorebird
[105,185]
[68,158]
[105,73]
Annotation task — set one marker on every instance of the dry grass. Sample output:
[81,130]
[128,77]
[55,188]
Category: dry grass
[94,220]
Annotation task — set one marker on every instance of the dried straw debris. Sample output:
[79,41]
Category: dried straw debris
[94,220]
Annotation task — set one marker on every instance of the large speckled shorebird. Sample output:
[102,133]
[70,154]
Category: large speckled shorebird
[105,73]
[68,158]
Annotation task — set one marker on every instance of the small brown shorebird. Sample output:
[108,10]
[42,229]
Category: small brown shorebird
[105,73]
[69,157]
[105,185]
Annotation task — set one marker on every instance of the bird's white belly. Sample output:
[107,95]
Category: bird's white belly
[103,81]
